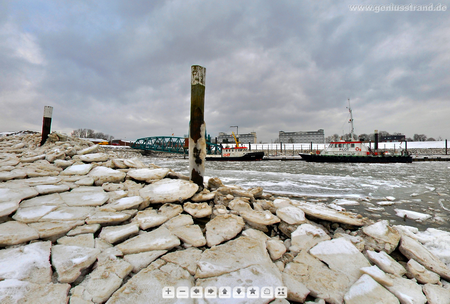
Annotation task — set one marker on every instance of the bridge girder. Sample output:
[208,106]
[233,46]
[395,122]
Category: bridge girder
[171,144]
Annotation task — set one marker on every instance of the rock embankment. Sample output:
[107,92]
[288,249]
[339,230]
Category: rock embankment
[81,225]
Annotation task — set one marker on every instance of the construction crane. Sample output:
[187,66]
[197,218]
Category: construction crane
[236,140]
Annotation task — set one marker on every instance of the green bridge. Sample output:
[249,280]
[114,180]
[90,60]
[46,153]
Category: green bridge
[172,144]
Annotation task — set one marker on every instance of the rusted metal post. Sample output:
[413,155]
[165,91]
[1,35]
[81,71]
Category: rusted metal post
[197,127]
[46,124]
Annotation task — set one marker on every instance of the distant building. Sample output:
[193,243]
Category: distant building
[243,138]
[391,138]
[317,137]
[119,142]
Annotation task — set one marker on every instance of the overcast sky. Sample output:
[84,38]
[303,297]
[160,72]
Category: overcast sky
[123,67]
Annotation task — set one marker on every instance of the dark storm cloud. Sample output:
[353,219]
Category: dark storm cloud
[123,68]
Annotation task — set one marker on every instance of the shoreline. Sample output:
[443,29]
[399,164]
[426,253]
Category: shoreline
[92,225]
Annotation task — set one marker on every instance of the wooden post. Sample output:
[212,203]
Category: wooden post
[197,127]
[47,123]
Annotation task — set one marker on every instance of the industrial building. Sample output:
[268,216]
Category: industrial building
[317,137]
[391,138]
[243,138]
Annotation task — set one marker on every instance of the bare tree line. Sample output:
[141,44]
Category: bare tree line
[89,133]
[371,137]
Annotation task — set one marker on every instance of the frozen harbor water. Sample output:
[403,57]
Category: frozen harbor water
[373,190]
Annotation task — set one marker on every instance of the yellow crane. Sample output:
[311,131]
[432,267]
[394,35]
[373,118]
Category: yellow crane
[236,140]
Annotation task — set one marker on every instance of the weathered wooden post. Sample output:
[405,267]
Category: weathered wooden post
[46,124]
[197,127]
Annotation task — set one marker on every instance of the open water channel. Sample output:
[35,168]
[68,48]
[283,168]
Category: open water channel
[376,191]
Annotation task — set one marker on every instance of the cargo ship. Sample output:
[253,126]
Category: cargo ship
[236,153]
[355,151]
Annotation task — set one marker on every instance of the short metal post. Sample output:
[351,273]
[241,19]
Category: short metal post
[47,123]
[197,127]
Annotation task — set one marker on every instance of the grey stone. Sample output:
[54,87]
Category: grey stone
[12,233]
[412,249]
[168,191]
[141,260]
[13,291]
[146,286]
[70,260]
[223,228]
[158,239]
[27,263]
[367,290]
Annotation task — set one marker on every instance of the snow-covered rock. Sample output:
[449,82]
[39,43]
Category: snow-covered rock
[420,273]
[13,291]
[436,294]
[10,198]
[103,175]
[151,218]
[27,263]
[367,290]
[407,291]
[70,260]
[158,239]
[48,189]
[323,282]
[380,236]
[94,157]
[198,210]
[291,215]
[223,228]
[307,236]
[386,263]
[101,283]
[331,215]
[190,234]
[83,199]
[168,191]
[80,240]
[143,259]
[259,217]
[337,252]
[233,255]
[12,233]
[158,275]
[148,175]
[414,250]
[126,203]
[77,169]
[115,234]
